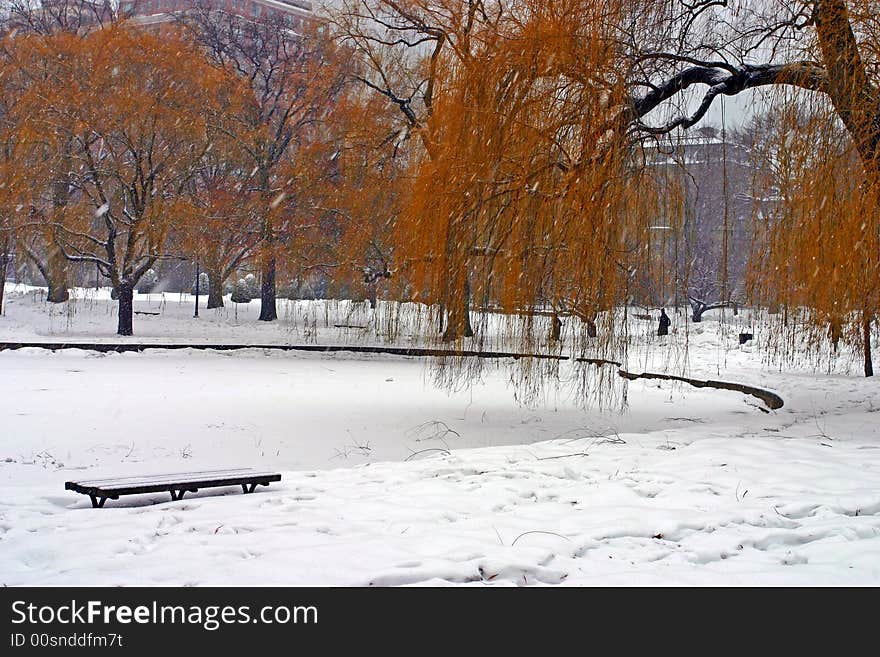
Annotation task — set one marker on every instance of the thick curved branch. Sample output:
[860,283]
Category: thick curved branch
[402,103]
[723,81]
[855,99]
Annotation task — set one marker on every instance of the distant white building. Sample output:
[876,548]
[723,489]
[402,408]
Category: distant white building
[85,14]
[147,11]
[708,255]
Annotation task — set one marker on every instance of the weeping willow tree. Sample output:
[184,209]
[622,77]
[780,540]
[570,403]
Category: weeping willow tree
[526,200]
[527,203]
[820,250]
[528,197]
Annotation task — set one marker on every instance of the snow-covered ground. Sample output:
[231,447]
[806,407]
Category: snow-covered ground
[389,480]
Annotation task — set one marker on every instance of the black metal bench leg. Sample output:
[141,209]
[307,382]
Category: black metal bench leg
[177,495]
[97,503]
[248,488]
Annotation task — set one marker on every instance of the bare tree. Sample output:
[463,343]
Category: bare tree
[45,17]
[292,82]
[116,110]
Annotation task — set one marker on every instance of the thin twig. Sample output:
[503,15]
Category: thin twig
[430,449]
[562,456]
[538,531]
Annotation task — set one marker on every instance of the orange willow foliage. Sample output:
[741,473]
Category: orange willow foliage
[12,165]
[364,192]
[820,252]
[28,178]
[526,198]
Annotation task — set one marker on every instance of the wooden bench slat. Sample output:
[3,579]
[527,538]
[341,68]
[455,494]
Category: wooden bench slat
[161,476]
[99,490]
[169,481]
[161,484]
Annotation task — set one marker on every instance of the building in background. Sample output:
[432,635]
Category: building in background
[702,245]
[75,15]
[298,12]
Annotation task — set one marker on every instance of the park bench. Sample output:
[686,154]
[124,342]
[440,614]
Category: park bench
[177,483]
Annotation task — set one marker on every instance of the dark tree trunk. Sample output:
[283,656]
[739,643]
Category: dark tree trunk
[56,276]
[458,317]
[592,330]
[4,263]
[57,265]
[835,331]
[372,295]
[699,307]
[848,83]
[215,289]
[268,312]
[555,328]
[458,323]
[866,345]
[57,293]
[467,329]
[126,309]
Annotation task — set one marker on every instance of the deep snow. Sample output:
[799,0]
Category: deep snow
[388,480]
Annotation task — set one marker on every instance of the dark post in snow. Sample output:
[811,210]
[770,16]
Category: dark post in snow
[198,274]
[5,259]
[663,328]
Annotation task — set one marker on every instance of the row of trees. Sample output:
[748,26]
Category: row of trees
[214,138]
[476,153]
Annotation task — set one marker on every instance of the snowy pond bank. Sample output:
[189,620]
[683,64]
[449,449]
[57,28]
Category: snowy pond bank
[389,480]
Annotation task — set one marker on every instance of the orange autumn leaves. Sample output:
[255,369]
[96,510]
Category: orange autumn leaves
[117,116]
[525,197]
[818,247]
[162,153]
